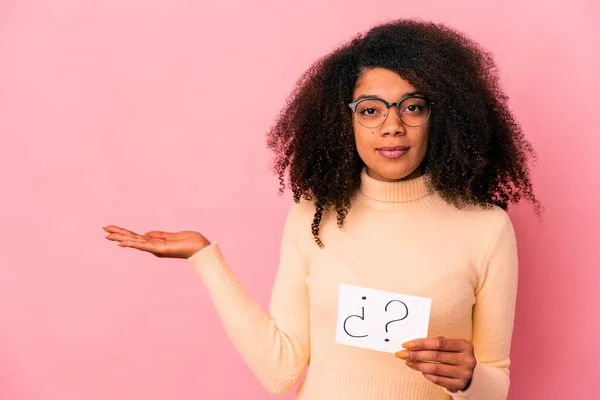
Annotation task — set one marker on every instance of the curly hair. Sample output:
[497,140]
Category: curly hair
[477,153]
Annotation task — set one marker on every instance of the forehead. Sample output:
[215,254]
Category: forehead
[382,82]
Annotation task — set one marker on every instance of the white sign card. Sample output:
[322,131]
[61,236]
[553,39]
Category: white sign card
[379,320]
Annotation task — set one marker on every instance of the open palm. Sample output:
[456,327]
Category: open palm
[161,244]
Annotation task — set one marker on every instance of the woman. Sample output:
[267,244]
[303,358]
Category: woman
[402,156]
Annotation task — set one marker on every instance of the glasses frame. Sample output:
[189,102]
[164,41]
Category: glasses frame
[388,105]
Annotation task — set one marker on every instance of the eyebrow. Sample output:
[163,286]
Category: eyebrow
[368,96]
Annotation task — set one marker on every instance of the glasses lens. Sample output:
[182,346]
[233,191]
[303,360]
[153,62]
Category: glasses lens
[371,113]
[414,111]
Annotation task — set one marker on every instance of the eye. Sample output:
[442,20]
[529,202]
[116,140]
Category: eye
[369,111]
[371,108]
[413,106]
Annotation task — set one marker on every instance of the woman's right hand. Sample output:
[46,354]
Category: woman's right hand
[161,244]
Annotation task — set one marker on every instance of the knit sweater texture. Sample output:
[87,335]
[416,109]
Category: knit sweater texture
[399,237]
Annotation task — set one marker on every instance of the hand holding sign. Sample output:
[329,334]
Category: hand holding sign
[446,362]
[378,320]
[386,321]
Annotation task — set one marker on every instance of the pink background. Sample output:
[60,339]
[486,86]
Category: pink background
[112,112]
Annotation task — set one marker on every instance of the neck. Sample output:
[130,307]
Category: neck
[392,196]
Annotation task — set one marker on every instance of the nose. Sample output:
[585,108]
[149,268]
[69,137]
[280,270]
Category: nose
[393,124]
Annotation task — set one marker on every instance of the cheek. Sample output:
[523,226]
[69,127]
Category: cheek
[422,140]
[362,137]
[423,145]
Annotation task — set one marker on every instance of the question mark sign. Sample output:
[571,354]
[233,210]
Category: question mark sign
[395,320]
[362,317]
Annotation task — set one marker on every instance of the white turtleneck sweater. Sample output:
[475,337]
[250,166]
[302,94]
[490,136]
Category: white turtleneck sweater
[397,237]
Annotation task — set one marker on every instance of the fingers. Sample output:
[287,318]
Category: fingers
[452,377]
[457,352]
[138,244]
[158,234]
[111,229]
[445,362]
[449,371]
[126,238]
[152,242]
[444,357]
[439,343]
[116,229]
[120,237]
[135,242]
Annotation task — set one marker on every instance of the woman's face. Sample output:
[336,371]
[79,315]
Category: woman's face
[392,151]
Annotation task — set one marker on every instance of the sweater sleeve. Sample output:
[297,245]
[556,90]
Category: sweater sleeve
[493,317]
[275,345]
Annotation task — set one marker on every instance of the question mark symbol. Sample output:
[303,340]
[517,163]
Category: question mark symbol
[395,320]
[362,317]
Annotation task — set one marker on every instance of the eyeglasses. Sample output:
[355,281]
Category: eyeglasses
[372,112]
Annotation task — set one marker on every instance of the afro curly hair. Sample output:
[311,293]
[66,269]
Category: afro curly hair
[477,153]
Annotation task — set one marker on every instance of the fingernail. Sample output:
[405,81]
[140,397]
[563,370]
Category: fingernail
[402,354]
[409,363]
[106,229]
[121,244]
[408,345]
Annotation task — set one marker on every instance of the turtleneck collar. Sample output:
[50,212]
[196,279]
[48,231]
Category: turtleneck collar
[395,196]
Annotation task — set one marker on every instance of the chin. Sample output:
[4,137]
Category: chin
[395,174]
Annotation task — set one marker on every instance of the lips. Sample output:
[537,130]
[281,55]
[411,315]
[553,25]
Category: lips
[394,148]
[393,151]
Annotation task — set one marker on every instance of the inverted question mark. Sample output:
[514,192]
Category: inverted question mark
[395,320]
[361,317]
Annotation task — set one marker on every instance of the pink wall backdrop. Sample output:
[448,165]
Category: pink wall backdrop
[112,112]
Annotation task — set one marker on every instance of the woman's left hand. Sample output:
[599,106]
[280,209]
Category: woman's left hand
[446,362]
